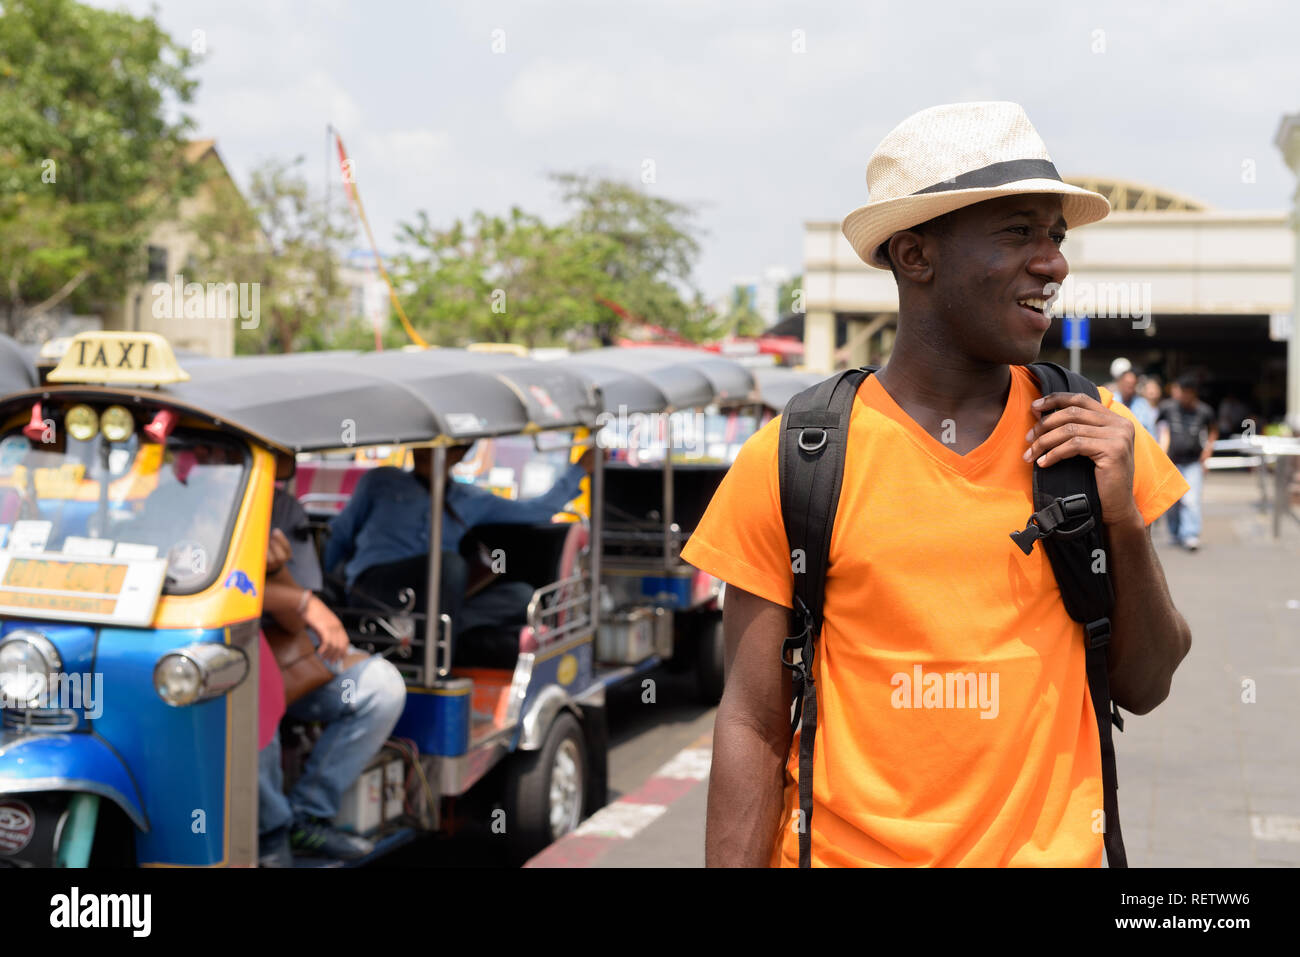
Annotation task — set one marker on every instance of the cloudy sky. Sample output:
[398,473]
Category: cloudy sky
[761,115]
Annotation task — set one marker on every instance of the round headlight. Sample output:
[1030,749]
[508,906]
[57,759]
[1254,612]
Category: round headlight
[198,672]
[116,423]
[81,422]
[177,680]
[28,662]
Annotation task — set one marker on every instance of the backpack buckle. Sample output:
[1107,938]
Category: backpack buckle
[797,650]
[1097,633]
[1048,520]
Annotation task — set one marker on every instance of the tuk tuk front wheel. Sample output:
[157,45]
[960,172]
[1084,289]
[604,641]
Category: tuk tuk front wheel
[546,788]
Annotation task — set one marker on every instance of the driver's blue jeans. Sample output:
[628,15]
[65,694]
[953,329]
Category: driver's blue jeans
[359,708]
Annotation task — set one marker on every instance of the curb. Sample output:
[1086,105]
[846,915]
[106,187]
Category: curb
[631,814]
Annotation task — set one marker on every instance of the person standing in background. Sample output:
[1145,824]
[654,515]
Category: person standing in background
[1187,433]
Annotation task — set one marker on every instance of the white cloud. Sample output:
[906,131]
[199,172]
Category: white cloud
[550,95]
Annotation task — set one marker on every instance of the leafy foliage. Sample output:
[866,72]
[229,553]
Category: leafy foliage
[89,157]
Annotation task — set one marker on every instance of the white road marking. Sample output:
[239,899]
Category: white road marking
[622,819]
[1275,827]
[692,764]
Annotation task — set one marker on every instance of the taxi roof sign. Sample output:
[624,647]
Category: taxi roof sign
[119,358]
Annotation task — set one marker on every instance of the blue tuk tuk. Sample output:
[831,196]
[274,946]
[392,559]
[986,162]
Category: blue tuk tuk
[135,503]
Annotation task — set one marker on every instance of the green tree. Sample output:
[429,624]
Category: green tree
[741,319]
[285,239]
[649,255]
[89,156]
[501,279]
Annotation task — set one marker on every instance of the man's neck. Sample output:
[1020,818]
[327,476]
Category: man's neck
[928,375]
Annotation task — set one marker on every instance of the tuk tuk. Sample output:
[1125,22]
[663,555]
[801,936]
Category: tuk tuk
[777,385]
[670,420]
[135,502]
[17,369]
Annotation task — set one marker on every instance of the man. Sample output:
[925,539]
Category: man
[359,707]
[969,214]
[1126,390]
[1148,388]
[382,536]
[1188,432]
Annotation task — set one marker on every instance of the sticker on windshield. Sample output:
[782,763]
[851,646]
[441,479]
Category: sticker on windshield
[13,450]
[463,422]
[134,550]
[240,580]
[29,536]
[90,547]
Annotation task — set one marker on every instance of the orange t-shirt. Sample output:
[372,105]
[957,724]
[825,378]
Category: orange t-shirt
[954,721]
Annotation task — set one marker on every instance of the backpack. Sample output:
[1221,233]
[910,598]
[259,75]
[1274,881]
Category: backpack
[1067,519]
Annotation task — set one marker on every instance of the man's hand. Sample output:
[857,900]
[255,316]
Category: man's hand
[1076,424]
[278,552]
[333,636]
[588,460]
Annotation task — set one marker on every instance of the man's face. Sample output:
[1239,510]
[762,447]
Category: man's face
[988,259]
[1127,385]
[1187,397]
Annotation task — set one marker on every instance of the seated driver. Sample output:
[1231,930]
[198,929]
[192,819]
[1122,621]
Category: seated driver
[382,538]
[359,708]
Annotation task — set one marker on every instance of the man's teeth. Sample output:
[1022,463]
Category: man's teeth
[1039,304]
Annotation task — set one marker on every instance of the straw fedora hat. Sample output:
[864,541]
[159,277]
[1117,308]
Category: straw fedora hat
[951,156]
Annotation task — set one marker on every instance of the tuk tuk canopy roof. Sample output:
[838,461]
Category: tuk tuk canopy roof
[777,385]
[17,368]
[657,378]
[332,400]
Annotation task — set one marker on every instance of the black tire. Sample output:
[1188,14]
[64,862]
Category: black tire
[539,808]
[710,654]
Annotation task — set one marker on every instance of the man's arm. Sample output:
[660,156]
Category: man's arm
[751,735]
[344,527]
[489,509]
[1211,436]
[295,608]
[1148,636]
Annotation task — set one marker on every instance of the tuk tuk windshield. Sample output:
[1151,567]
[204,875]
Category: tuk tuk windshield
[512,466]
[709,437]
[128,499]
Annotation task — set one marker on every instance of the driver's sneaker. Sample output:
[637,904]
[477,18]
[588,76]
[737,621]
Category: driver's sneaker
[316,837]
[273,849]
[1192,544]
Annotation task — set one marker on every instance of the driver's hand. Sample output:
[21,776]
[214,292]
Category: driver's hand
[588,460]
[278,551]
[333,636]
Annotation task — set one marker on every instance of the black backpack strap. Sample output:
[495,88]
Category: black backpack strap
[1067,519]
[812,447]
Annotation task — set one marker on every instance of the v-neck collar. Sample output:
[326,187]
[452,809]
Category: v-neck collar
[877,396]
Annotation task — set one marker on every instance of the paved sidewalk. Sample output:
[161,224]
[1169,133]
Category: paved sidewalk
[1211,778]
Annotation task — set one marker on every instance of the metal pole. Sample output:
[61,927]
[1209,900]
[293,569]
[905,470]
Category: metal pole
[597,501]
[437,491]
[1074,355]
[668,493]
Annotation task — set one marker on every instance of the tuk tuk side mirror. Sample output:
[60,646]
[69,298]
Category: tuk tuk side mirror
[161,426]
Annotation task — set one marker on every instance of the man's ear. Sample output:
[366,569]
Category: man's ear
[910,254]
